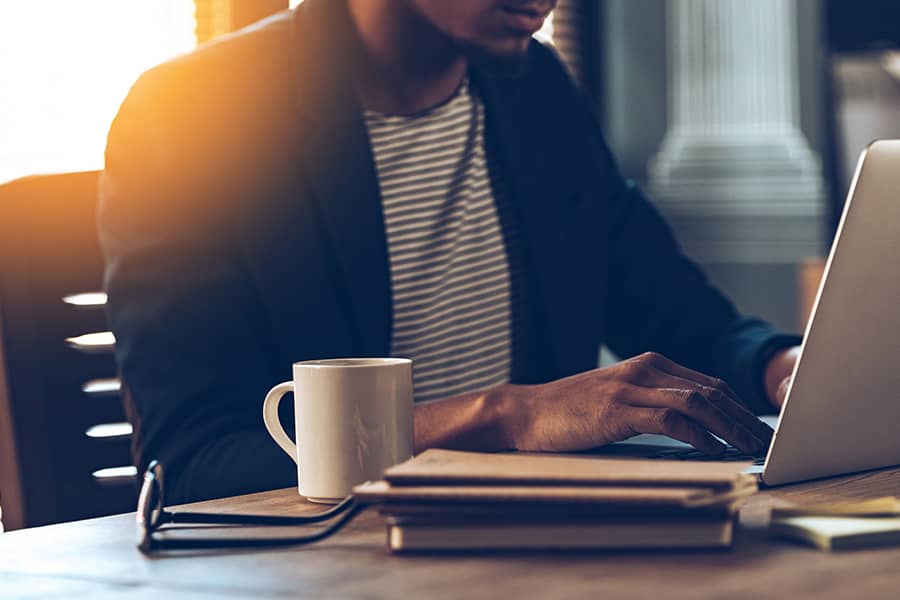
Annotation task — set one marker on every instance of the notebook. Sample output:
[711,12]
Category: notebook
[406,536]
[454,467]
[885,506]
[839,533]
[596,498]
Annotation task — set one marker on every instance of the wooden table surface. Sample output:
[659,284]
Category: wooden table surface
[97,559]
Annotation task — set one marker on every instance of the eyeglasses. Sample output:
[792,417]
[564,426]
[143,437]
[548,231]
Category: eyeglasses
[153,517]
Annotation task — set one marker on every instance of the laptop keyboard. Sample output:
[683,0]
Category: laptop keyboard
[731,454]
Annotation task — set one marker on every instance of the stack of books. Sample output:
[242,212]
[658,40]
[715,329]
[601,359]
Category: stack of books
[449,500]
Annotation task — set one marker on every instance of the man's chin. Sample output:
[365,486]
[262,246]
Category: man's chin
[505,62]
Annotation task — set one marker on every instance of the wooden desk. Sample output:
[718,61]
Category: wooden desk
[97,558]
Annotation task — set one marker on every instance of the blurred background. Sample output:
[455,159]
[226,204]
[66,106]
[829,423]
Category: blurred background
[742,119]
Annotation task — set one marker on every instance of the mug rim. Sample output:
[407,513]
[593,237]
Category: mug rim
[353,363]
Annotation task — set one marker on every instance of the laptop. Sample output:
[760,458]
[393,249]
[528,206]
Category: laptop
[842,411]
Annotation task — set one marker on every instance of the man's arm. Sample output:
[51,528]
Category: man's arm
[604,406]
[659,301]
[191,338]
[645,394]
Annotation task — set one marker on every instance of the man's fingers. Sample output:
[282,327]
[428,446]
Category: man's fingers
[733,409]
[673,368]
[781,394]
[696,405]
[739,413]
[715,390]
[670,422]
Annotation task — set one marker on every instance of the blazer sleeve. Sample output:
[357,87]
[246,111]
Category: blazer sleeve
[191,338]
[660,300]
[654,297]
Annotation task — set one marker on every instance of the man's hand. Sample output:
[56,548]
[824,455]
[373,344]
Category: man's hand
[646,394]
[778,374]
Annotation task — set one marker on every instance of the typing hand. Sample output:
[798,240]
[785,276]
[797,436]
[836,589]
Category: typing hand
[646,394]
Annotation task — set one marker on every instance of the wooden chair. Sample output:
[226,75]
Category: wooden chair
[64,441]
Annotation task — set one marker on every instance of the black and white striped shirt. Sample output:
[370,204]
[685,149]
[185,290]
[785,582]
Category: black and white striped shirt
[449,270]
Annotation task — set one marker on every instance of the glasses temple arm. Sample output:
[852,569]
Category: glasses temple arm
[351,509]
[197,518]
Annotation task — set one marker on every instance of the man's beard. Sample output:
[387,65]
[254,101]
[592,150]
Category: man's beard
[503,64]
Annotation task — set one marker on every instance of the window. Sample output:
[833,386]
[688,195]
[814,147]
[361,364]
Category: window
[66,66]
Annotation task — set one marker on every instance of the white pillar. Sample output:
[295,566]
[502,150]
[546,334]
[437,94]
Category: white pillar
[734,173]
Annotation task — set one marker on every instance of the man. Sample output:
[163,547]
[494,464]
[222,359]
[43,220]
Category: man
[407,177]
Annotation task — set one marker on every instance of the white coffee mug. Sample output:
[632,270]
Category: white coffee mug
[353,419]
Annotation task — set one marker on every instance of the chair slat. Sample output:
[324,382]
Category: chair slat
[86,300]
[93,343]
[109,431]
[116,476]
[102,388]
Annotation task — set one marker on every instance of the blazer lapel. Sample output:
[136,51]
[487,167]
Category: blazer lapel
[539,205]
[336,160]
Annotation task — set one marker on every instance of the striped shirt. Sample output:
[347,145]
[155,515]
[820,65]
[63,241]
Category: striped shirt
[450,277]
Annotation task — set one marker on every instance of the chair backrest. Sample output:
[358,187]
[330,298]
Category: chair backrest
[67,453]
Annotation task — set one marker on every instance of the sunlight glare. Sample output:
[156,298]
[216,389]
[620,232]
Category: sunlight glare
[65,68]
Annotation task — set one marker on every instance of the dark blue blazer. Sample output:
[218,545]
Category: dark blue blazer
[241,221]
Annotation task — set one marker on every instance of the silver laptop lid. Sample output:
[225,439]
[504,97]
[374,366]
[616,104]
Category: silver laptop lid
[842,412]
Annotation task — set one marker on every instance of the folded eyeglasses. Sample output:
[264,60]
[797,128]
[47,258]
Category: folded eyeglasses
[152,518]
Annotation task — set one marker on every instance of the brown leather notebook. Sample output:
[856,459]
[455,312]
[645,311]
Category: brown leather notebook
[413,537]
[452,467]
[606,498]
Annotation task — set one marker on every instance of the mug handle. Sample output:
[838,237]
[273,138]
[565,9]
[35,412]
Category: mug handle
[273,423]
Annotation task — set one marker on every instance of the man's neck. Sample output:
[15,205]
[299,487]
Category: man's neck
[409,66]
